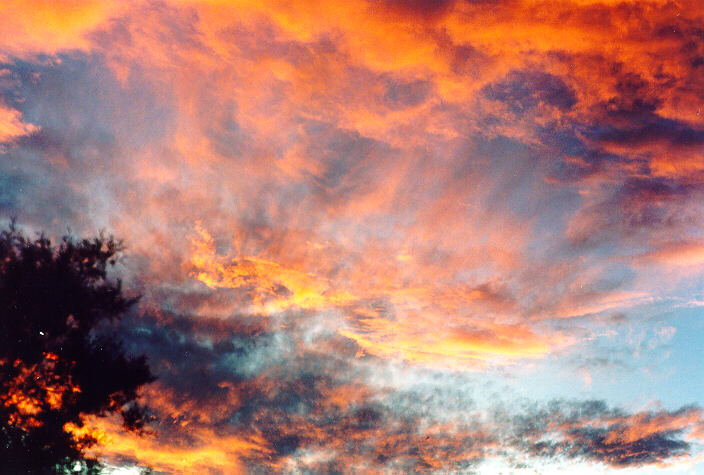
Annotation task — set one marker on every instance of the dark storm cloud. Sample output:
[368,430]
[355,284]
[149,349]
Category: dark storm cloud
[77,102]
[591,430]
[522,91]
[29,191]
[225,134]
[647,129]
[82,137]
[637,207]
[421,9]
[400,95]
[595,444]
[342,164]
[12,186]
[243,380]
[572,158]
[239,379]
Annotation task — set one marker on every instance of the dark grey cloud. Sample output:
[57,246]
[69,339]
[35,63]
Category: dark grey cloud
[88,130]
[238,377]
[636,208]
[522,91]
[400,95]
[591,430]
[251,381]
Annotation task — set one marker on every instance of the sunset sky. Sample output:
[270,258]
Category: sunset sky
[381,235]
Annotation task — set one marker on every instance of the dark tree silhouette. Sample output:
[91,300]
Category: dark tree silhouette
[59,357]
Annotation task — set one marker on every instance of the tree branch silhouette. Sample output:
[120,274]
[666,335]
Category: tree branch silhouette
[60,361]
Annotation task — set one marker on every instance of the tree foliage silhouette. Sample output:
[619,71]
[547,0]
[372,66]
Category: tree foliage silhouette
[59,357]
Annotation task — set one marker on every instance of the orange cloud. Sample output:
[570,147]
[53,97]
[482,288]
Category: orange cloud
[641,426]
[391,162]
[43,26]
[411,335]
[11,124]
[677,254]
[208,451]
[274,288]
[461,349]
[344,67]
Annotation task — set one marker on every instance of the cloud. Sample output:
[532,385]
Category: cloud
[271,288]
[12,126]
[38,27]
[221,402]
[261,394]
[590,430]
[311,193]
[522,91]
[677,254]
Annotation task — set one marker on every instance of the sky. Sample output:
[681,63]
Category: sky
[381,235]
